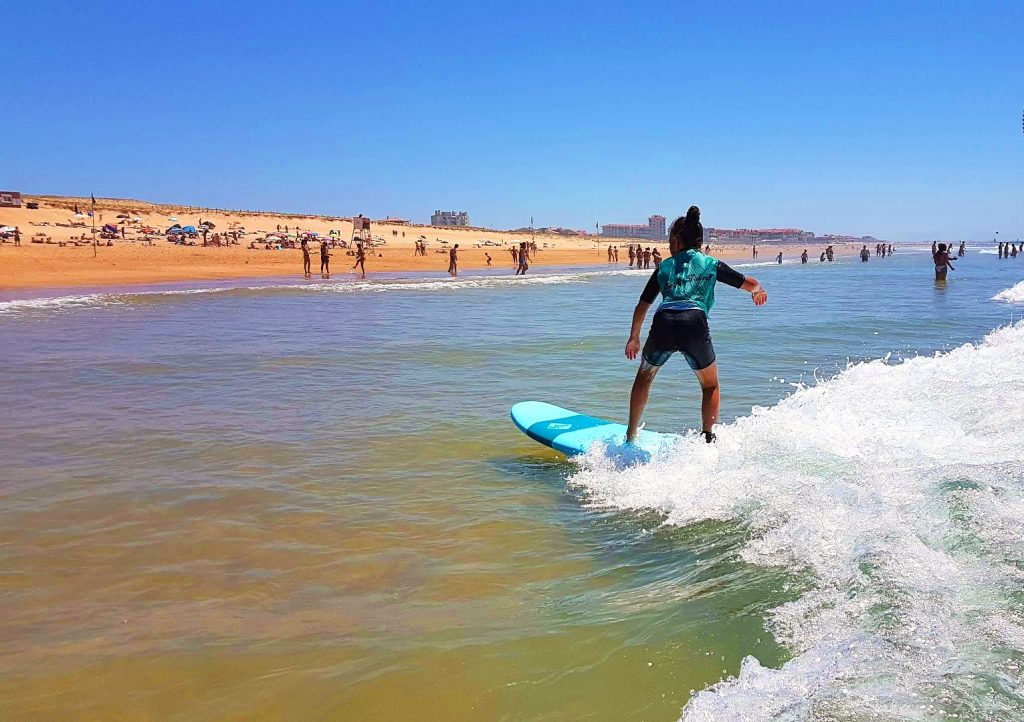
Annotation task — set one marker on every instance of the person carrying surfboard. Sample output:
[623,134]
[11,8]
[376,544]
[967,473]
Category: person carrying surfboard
[686,281]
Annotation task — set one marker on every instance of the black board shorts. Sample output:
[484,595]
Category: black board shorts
[682,330]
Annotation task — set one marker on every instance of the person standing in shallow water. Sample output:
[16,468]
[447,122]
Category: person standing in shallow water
[778,258]
[325,260]
[942,264]
[632,255]
[306,270]
[453,260]
[803,256]
[524,257]
[686,281]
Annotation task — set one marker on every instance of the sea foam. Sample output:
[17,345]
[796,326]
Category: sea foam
[896,489]
[1014,294]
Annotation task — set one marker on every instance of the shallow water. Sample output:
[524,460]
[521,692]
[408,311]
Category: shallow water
[305,501]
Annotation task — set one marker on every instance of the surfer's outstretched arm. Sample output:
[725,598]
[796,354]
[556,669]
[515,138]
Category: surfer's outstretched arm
[758,294]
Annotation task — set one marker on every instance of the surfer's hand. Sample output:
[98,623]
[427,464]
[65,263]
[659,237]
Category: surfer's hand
[759,296]
[632,348]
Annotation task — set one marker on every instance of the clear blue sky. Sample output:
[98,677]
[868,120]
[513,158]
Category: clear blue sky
[901,120]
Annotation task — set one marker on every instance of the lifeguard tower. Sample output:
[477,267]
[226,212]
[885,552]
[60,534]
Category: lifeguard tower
[361,230]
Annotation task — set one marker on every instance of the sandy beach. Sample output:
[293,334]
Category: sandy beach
[49,257]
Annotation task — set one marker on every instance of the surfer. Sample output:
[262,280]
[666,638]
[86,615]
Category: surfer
[686,281]
[942,264]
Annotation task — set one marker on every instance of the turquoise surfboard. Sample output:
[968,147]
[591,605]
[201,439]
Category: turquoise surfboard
[573,433]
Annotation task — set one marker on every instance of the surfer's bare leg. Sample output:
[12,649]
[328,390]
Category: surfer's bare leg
[708,378]
[638,398]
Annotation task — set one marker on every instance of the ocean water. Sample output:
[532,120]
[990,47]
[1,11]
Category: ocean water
[286,500]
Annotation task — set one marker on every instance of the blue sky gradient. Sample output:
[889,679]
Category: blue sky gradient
[898,120]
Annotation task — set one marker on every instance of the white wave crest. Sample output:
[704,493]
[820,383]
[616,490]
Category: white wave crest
[341,285]
[896,488]
[1014,294]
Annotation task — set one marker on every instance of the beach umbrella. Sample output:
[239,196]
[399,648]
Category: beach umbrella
[121,215]
[6,229]
[189,229]
[210,224]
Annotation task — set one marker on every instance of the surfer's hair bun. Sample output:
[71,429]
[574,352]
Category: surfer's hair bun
[687,230]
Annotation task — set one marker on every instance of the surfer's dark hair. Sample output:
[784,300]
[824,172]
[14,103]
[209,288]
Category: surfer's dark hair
[687,230]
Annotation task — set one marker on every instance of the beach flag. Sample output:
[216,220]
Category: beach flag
[93,200]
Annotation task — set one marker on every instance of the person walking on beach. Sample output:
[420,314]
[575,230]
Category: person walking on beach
[17,235]
[488,257]
[360,259]
[609,254]
[942,264]
[514,250]
[616,254]
[632,255]
[803,256]
[524,256]
[306,271]
[453,260]
[686,281]
[325,260]
[754,251]
[865,254]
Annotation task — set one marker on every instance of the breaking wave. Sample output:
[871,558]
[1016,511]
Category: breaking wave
[1014,294]
[897,489]
[341,285]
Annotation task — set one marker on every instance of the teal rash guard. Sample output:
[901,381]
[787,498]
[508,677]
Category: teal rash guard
[687,281]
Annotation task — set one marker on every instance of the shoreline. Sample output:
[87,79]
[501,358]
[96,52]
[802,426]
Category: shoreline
[56,250]
[38,267]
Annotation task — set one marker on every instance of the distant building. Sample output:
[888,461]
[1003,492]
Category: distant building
[449,218]
[653,231]
[10,199]
[657,226]
[760,235]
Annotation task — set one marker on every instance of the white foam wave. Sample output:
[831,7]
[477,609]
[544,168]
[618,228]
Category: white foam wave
[1014,294]
[897,489]
[342,285]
